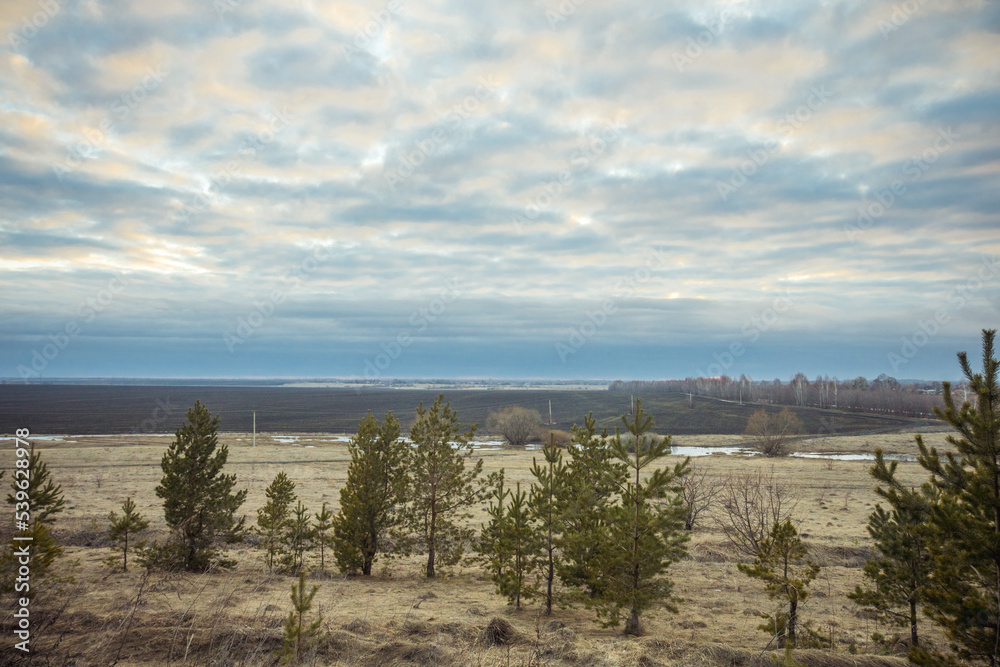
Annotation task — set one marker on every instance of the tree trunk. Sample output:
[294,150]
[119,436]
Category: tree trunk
[548,584]
[913,624]
[632,625]
[793,607]
[430,549]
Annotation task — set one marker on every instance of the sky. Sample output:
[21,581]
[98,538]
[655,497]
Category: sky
[538,189]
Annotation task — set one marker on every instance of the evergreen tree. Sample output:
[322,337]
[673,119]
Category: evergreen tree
[42,553]
[442,490]
[300,637]
[322,533]
[593,477]
[964,527]
[297,539]
[645,527]
[44,497]
[546,511]
[36,500]
[900,575]
[126,526]
[492,539]
[521,550]
[199,504]
[371,500]
[273,518]
[784,566]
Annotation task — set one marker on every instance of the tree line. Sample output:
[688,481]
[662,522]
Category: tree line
[882,395]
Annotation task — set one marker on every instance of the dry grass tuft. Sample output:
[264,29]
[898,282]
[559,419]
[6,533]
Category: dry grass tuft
[499,633]
[358,626]
[406,653]
[717,655]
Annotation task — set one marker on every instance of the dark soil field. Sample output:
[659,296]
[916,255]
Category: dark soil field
[101,409]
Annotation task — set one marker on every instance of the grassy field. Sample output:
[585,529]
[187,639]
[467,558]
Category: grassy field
[398,617]
[97,409]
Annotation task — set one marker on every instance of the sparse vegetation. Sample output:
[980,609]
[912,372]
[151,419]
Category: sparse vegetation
[752,502]
[516,424]
[124,527]
[301,637]
[770,432]
[783,564]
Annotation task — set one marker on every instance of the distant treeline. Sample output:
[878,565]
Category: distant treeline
[884,394]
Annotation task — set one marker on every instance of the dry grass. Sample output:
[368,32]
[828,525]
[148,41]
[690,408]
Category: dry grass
[399,617]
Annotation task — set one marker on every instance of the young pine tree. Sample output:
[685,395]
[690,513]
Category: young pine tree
[546,511]
[371,501]
[300,637]
[37,500]
[323,534]
[963,532]
[521,550]
[593,477]
[492,538]
[899,576]
[645,528]
[298,539]
[442,489]
[122,528]
[273,518]
[784,566]
[199,503]
[44,496]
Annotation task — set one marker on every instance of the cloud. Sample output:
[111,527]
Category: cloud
[353,161]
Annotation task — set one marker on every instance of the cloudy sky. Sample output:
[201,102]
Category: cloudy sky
[574,189]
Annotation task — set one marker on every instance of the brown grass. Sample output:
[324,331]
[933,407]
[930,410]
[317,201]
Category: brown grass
[399,617]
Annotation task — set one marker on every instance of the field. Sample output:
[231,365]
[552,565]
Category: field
[95,409]
[397,616]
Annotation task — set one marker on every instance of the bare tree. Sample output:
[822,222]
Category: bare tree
[514,423]
[770,432]
[753,501]
[698,490]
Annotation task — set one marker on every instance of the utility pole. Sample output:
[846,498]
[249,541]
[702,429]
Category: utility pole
[254,428]
[550,412]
